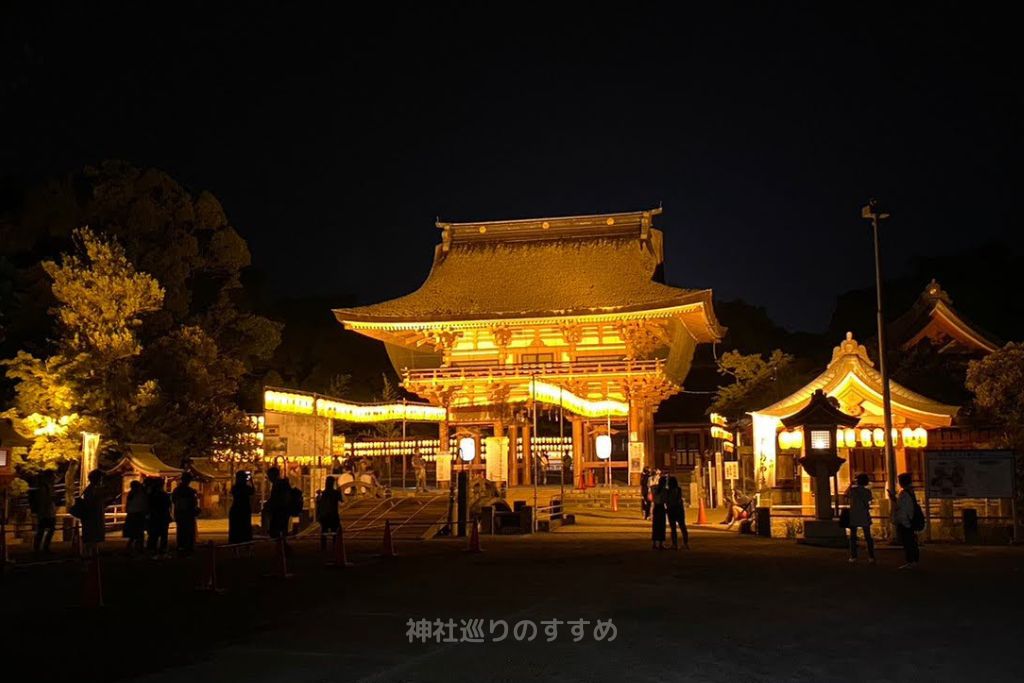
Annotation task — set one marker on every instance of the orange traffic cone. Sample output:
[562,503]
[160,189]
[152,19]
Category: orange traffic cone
[474,539]
[340,557]
[389,544]
[92,591]
[702,515]
[209,580]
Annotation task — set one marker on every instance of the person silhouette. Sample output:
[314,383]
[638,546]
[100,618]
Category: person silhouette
[186,510]
[676,512]
[327,514]
[240,513]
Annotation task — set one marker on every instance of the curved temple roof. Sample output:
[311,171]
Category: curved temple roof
[541,268]
[933,317]
[852,379]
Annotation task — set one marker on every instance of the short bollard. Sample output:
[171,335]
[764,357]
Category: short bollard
[209,579]
[92,591]
[474,538]
[389,543]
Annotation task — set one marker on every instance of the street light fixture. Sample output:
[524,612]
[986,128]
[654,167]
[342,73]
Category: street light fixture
[873,213]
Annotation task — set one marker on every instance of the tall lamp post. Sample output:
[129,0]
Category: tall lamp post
[873,213]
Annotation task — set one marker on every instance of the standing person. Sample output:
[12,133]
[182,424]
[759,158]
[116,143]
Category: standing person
[860,516]
[186,509]
[278,504]
[45,508]
[676,513]
[240,513]
[137,507]
[645,492]
[93,514]
[904,517]
[658,517]
[327,514]
[545,462]
[159,517]
[420,466]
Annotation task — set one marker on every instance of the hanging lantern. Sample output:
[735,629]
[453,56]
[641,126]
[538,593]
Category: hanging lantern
[865,438]
[878,437]
[467,448]
[921,436]
[908,438]
[850,437]
[840,439]
[603,445]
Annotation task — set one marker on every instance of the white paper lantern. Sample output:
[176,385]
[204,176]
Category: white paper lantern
[604,446]
[467,448]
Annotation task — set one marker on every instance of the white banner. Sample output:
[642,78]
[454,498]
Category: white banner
[732,470]
[444,467]
[636,458]
[496,448]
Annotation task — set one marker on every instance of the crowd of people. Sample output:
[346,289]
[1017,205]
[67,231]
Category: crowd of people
[150,509]
[662,501]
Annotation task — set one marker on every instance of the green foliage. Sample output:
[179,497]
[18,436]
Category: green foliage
[997,382]
[939,376]
[101,303]
[757,381]
[389,393]
[183,241]
[196,414]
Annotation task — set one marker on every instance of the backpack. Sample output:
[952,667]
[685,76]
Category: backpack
[295,502]
[917,519]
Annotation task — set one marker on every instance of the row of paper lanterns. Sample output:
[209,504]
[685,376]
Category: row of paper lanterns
[865,438]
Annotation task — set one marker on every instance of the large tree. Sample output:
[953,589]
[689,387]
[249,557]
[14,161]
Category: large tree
[91,381]
[185,241]
[997,382]
[757,381]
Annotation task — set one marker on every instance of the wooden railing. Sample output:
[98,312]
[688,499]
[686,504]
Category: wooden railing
[538,370]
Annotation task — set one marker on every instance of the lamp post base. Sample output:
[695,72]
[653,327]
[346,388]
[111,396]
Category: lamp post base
[825,533]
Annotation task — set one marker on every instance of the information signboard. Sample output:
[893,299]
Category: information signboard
[969,474]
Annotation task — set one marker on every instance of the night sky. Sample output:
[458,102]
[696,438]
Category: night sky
[334,137]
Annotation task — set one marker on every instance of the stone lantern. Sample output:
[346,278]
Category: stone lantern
[819,420]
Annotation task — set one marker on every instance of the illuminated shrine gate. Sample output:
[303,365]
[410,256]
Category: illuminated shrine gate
[568,312]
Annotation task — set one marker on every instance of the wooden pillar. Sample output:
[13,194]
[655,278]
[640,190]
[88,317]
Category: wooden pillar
[442,435]
[901,461]
[588,447]
[527,457]
[577,452]
[513,457]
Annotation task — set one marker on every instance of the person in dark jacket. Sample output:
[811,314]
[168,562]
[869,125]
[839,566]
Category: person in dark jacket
[45,509]
[279,504]
[240,514]
[645,492]
[186,509]
[658,515]
[327,514]
[903,516]
[93,514]
[159,517]
[676,513]
[136,509]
